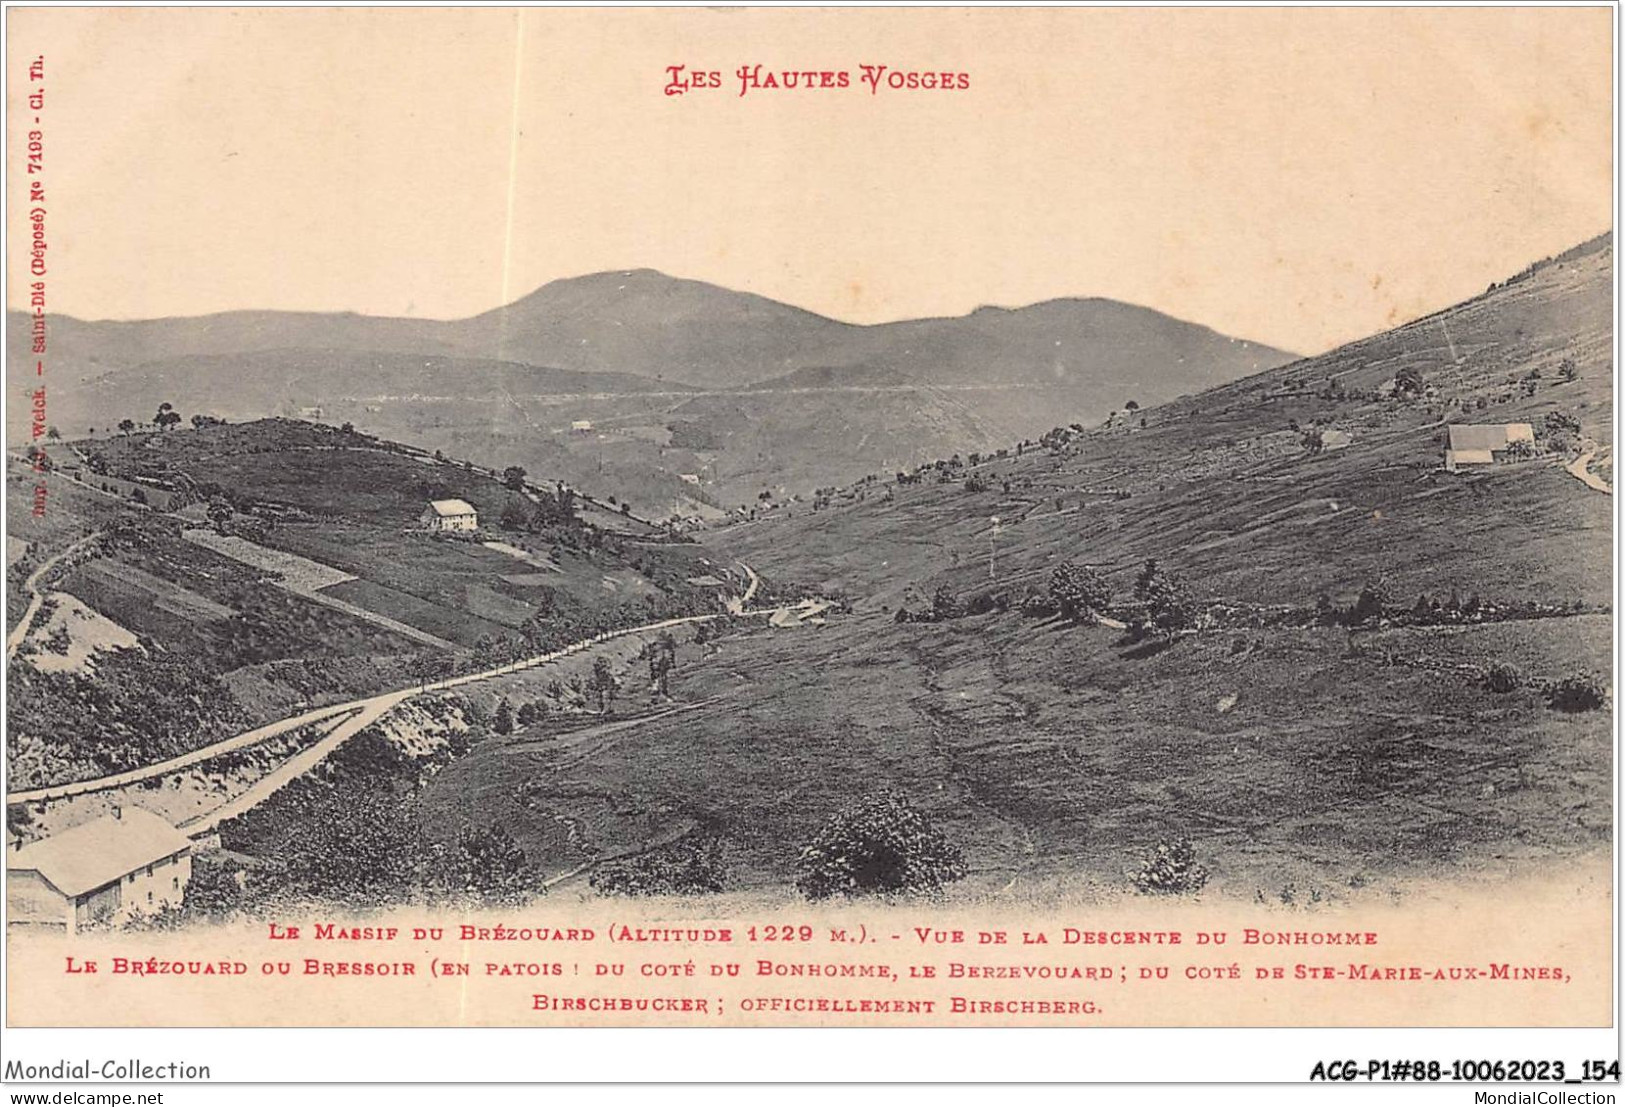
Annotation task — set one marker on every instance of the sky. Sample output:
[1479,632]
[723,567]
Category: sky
[1300,177]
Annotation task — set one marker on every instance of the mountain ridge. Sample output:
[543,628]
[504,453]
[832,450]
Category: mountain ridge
[509,386]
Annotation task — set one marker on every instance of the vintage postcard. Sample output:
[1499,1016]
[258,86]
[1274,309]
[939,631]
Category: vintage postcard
[680,517]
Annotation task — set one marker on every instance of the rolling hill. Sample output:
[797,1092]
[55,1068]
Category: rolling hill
[1309,754]
[630,352]
[298,573]
[1360,698]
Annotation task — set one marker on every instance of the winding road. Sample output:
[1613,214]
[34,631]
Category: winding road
[364,713]
[20,631]
[1580,470]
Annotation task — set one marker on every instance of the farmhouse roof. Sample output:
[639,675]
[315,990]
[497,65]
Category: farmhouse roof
[96,853]
[446,508]
[1492,436]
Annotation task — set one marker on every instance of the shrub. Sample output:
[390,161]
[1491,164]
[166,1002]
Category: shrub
[683,868]
[945,604]
[881,845]
[1560,422]
[1409,382]
[486,864]
[1370,604]
[1169,606]
[1580,692]
[1079,591]
[983,602]
[1171,870]
[1503,677]
[1038,605]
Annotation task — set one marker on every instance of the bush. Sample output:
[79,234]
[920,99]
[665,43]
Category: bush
[1169,606]
[1079,591]
[684,868]
[945,605]
[880,845]
[486,864]
[983,602]
[1581,692]
[1038,605]
[1503,677]
[1369,605]
[1171,870]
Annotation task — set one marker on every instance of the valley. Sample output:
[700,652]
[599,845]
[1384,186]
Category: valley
[1265,626]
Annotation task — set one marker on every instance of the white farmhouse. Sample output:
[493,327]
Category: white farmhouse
[450,515]
[125,864]
[1478,445]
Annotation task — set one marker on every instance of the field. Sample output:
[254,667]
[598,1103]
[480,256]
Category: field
[299,575]
[1058,759]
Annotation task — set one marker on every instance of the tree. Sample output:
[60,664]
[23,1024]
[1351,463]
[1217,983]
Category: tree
[1314,440]
[881,845]
[513,477]
[503,723]
[1370,604]
[529,712]
[167,417]
[52,433]
[126,426]
[604,685]
[1168,603]
[1409,381]
[1079,591]
[1132,405]
[945,604]
[515,516]
[428,667]
[662,660]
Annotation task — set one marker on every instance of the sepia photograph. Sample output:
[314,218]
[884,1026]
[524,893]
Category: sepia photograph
[847,518]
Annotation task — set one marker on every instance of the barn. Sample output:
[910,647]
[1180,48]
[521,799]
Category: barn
[1477,444]
[128,863]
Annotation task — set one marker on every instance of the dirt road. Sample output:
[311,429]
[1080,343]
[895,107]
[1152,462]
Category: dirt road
[368,710]
[1580,470]
[20,631]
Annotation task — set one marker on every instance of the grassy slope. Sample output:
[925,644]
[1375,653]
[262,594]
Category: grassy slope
[361,500]
[1060,756]
[1221,488]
